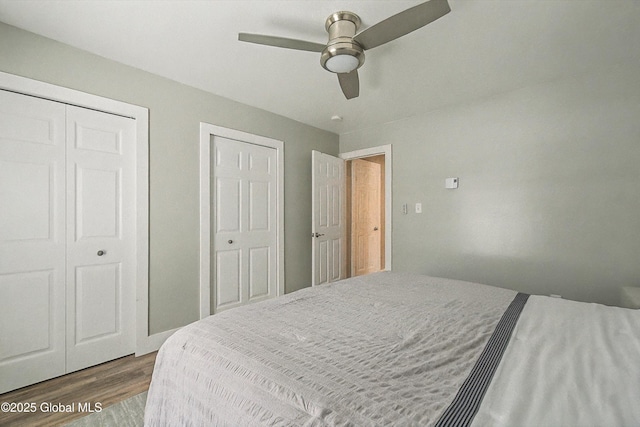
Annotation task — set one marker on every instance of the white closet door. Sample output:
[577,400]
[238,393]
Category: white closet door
[245,257]
[32,240]
[100,237]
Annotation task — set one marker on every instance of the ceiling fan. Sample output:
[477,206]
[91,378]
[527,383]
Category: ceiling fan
[344,53]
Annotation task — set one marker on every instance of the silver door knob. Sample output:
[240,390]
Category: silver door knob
[101,252]
[318,235]
[230,241]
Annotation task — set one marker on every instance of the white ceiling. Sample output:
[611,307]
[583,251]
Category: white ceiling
[480,49]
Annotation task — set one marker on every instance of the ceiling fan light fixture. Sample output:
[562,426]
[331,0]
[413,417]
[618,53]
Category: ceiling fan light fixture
[342,63]
[342,56]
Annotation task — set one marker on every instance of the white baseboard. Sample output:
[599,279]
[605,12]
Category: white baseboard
[152,342]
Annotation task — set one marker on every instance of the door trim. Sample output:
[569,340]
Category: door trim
[388,181]
[26,86]
[207,131]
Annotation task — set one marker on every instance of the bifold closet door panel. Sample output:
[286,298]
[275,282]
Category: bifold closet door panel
[67,238]
[100,237]
[32,240]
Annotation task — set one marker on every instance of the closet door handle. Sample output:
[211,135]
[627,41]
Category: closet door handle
[101,252]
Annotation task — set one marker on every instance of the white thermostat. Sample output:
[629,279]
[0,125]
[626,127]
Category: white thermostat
[451,183]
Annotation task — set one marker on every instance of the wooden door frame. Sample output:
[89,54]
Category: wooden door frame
[207,131]
[144,342]
[386,151]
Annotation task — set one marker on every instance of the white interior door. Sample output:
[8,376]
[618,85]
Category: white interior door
[366,218]
[328,218]
[67,238]
[32,240]
[100,237]
[245,223]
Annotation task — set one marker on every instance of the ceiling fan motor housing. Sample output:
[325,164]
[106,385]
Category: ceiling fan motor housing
[342,54]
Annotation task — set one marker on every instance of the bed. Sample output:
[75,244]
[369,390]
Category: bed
[403,350]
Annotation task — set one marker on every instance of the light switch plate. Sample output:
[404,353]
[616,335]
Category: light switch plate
[418,207]
[451,183]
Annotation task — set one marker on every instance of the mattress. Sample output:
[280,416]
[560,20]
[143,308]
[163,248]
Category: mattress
[399,349]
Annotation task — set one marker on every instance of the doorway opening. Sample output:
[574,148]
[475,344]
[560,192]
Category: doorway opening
[365,202]
[368,210]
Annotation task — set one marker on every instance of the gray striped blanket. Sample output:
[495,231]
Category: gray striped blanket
[384,349]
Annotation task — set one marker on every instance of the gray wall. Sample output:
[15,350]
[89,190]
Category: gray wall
[175,112]
[549,195]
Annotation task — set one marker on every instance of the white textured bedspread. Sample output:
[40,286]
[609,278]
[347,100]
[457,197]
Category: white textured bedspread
[384,349]
[567,364]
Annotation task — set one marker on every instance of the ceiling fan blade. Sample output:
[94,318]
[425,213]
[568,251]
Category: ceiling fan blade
[350,84]
[402,23]
[281,42]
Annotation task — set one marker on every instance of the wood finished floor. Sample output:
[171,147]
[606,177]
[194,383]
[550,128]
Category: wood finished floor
[108,383]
